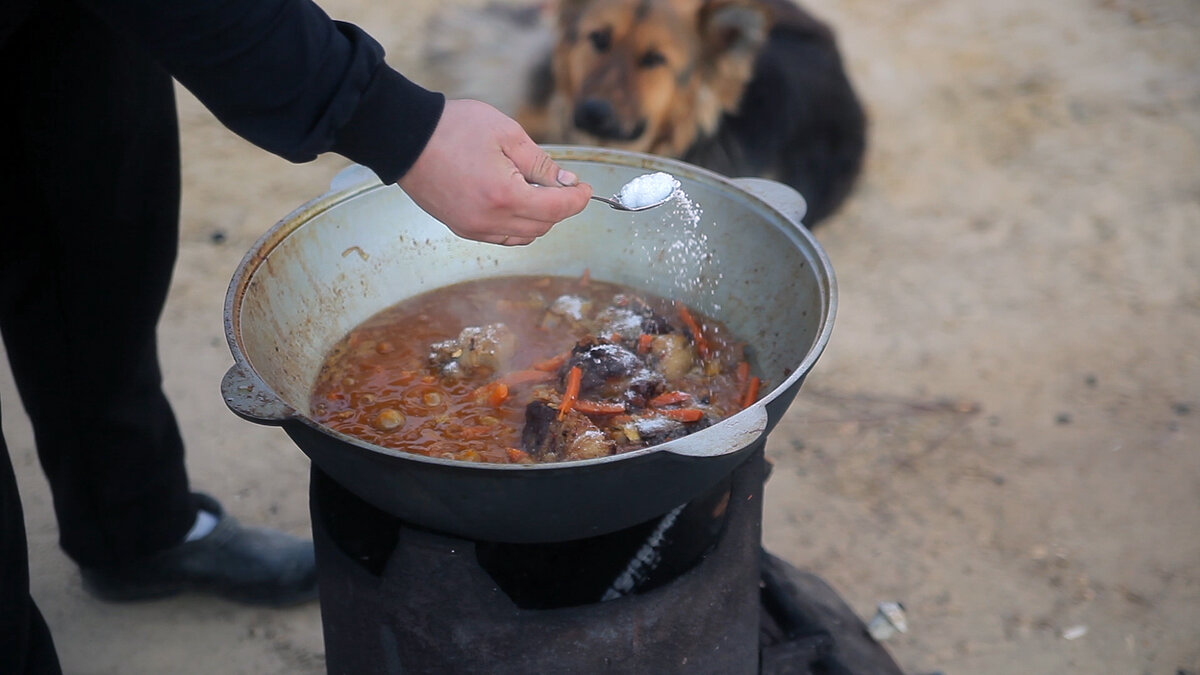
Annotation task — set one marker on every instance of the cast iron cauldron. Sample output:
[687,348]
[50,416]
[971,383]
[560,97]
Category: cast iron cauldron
[363,246]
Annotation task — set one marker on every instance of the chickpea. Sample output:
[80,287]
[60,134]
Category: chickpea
[388,419]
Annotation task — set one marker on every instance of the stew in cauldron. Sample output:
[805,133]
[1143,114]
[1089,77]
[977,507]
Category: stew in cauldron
[532,369]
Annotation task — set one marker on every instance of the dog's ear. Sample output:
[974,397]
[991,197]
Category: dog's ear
[568,12]
[733,32]
[734,26]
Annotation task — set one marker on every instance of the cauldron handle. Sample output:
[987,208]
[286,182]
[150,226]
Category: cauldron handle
[251,399]
[783,198]
[353,176]
[732,434]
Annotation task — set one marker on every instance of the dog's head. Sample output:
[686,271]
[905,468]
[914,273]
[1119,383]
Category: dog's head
[652,75]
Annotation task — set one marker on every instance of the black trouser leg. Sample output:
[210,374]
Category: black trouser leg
[91,138]
[25,643]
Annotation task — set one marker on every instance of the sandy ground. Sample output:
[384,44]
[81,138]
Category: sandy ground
[1004,433]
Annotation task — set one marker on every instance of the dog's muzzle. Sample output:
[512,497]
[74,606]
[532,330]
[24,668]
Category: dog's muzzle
[598,118]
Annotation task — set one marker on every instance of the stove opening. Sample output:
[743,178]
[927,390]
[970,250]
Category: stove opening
[630,561]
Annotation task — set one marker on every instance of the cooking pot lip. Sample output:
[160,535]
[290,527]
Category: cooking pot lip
[356,180]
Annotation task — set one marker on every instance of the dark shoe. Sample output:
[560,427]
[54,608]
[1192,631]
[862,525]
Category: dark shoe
[249,565]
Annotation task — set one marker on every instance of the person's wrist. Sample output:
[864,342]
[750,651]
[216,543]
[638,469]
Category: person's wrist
[391,125]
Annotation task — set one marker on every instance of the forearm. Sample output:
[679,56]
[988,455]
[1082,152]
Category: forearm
[284,76]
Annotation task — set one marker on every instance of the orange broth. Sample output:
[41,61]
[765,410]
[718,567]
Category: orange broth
[381,383]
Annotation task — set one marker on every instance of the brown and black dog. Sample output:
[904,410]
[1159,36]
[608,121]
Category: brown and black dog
[742,87]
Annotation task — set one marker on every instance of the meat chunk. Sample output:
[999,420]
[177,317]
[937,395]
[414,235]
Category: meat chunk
[650,322]
[629,322]
[644,385]
[654,429]
[488,346]
[547,438]
[618,321]
[536,435]
[674,353]
[606,366]
[566,311]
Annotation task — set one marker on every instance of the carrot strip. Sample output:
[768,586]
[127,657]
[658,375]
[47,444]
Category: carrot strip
[586,278]
[494,393]
[643,343]
[598,407]
[516,456]
[518,377]
[751,394]
[697,336]
[553,363]
[683,414]
[669,398]
[574,380]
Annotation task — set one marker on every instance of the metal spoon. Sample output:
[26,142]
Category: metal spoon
[616,203]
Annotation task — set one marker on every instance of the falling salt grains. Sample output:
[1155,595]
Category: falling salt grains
[681,250]
[689,257]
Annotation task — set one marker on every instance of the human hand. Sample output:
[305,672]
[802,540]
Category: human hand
[481,175]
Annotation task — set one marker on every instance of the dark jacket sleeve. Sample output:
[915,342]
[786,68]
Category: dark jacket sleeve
[286,77]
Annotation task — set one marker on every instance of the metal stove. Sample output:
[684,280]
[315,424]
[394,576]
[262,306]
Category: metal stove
[689,592]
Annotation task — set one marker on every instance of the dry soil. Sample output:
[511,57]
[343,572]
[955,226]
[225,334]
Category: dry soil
[1003,433]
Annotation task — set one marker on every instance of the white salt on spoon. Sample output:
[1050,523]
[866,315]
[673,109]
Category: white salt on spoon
[644,192]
